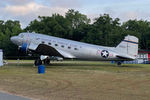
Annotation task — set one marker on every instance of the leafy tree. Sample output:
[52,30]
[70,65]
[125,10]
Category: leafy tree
[76,25]
[76,19]
[71,26]
[8,29]
[140,29]
[104,31]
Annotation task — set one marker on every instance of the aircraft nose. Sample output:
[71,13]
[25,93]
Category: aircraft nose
[15,40]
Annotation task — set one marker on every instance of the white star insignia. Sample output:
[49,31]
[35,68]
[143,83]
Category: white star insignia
[104,53]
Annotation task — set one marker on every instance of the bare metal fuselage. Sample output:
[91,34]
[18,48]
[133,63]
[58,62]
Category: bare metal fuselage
[68,48]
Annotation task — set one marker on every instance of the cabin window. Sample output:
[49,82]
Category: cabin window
[75,48]
[62,46]
[22,35]
[56,44]
[69,47]
[37,38]
[49,43]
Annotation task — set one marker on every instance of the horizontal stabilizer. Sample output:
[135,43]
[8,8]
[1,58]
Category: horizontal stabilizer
[125,57]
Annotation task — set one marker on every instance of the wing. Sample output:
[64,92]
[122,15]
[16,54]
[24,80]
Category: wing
[44,49]
[122,56]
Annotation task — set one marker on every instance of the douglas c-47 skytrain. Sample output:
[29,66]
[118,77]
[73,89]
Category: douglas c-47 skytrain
[47,46]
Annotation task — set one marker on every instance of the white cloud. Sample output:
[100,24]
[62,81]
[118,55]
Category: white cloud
[131,15]
[15,2]
[28,12]
[23,9]
[135,15]
[34,8]
[65,3]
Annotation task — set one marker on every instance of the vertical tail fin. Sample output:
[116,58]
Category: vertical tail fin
[129,46]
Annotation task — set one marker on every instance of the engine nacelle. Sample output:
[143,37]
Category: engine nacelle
[42,57]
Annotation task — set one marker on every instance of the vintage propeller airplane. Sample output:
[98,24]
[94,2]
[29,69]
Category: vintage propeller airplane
[47,46]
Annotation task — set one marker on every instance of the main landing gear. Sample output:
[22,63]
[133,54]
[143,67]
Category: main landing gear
[39,61]
[46,61]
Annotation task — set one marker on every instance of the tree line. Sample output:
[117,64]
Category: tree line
[103,30]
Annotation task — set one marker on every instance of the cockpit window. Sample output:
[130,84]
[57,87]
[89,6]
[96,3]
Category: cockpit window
[21,35]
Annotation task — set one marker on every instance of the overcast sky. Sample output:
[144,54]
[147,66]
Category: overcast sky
[27,10]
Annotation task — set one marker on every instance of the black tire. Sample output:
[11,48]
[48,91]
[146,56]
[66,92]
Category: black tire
[47,61]
[38,62]
[119,63]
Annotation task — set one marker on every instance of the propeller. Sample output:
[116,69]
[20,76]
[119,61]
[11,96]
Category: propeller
[19,53]
[21,49]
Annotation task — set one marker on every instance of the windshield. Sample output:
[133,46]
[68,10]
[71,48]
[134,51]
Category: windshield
[21,35]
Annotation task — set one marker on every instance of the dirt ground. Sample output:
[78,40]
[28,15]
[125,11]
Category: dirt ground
[77,80]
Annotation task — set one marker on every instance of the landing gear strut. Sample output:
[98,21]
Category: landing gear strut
[38,62]
[46,61]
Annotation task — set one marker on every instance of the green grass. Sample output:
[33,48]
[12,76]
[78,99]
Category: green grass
[95,65]
[27,65]
[76,80]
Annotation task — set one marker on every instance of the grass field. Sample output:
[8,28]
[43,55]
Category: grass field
[77,80]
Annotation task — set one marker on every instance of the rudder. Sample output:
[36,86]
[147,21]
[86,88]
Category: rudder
[129,46]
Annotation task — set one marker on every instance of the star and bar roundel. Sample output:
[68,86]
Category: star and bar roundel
[104,53]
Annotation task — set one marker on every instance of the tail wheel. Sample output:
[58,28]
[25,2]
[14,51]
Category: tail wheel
[119,63]
[38,62]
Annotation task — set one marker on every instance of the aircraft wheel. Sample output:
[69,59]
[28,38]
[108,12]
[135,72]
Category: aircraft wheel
[47,61]
[38,62]
[119,63]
